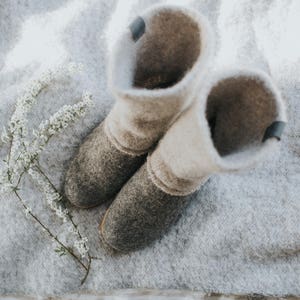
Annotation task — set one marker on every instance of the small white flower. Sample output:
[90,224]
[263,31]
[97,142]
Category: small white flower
[5,186]
[4,136]
[27,211]
[74,68]
[47,77]
[67,115]
[87,98]
[82,246]
[35,88]
[73,230]
[52,197]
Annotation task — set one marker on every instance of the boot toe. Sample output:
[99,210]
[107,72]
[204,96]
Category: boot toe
[140,214]
[79,190]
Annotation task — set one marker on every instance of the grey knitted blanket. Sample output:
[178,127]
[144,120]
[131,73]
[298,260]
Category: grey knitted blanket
[241,232]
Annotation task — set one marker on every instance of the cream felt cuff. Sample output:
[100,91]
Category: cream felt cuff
[223,131]
[154,77]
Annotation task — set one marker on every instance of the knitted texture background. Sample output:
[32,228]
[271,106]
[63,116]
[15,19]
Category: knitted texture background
[240,233]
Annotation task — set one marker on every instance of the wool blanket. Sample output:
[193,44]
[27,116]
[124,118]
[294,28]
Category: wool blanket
[241,232]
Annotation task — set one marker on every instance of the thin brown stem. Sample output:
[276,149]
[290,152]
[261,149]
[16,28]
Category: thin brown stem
[70,218]
[96,258]
[56,190]
[49,232]
[9,151]
[9,158]
[88,270]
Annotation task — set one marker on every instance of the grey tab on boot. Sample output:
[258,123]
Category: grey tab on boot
[137,28]
[274,130]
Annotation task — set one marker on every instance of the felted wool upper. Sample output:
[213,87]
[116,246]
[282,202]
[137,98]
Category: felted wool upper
[153,79]
[98,170]
[222,132]
[140,214]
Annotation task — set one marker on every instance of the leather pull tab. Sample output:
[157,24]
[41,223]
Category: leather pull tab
[274,130]
[137,28]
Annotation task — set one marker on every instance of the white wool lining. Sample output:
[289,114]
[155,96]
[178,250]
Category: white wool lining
[153,79]
[187,153]
[177,44]
[240,104]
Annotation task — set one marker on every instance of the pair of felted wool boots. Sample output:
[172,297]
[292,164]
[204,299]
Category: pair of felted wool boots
[174,124]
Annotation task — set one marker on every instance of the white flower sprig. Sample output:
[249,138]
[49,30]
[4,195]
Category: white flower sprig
[55,202]
[53,198]
[25,149]
[82,246]
[61,119]
[20,156]
[17,127]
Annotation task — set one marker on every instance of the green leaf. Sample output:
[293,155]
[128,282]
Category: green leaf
[60,251]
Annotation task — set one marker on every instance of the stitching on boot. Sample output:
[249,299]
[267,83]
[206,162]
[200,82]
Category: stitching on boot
[120,147]
[165,188]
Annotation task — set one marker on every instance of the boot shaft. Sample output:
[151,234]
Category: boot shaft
[154,71]
[225,130]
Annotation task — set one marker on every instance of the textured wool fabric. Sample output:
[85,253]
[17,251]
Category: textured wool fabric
[140,214]
[222,132]
[145,294]
[153,79]
[240,232]
[98,170]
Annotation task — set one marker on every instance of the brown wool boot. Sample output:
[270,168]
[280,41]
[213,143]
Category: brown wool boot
[153,74]
[237,120]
